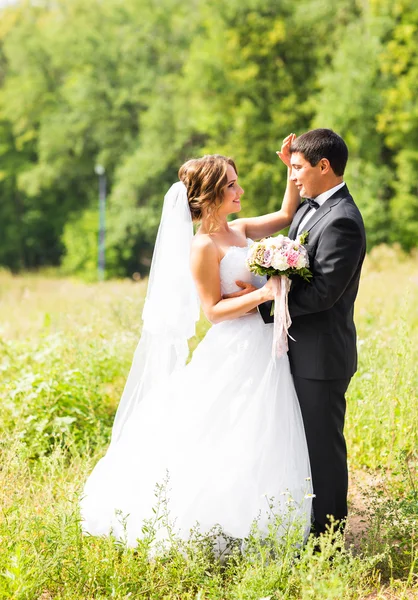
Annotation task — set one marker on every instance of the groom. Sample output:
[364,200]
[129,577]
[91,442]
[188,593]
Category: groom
[323,355]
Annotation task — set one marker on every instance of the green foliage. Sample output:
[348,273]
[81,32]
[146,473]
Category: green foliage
[398,119]
[245,78]
[46,555]
[65,350]
[80,238]
[140,88]
[67,405]
[386,382]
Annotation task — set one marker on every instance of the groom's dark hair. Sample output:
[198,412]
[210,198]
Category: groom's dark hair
[322,143]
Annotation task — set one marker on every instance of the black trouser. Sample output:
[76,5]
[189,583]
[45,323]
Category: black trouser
[322,403]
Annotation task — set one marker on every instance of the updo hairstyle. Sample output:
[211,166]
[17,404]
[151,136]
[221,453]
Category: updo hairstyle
[204,179]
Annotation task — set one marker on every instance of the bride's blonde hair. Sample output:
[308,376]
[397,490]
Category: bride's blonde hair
[204,179]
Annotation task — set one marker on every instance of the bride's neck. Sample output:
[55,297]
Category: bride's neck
[211,226]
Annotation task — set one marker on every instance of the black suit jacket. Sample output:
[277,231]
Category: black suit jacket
[322,310]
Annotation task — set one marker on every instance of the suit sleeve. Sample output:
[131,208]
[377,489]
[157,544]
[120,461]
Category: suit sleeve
[265,310]
[337,257]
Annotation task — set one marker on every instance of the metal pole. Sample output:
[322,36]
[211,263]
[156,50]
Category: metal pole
[100,171]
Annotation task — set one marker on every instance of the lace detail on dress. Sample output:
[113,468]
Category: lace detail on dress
[232,268]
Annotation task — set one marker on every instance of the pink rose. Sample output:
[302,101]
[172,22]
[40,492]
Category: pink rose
[292,257]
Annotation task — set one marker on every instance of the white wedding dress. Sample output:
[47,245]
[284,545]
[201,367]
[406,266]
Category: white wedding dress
[226,428]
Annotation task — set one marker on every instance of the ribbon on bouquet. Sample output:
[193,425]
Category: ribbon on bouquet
[282,320]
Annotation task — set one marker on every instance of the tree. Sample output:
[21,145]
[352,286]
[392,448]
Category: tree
[140,87]
[398,119]
[349,100]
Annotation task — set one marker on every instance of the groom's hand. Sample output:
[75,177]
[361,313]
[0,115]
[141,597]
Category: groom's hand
[246,289]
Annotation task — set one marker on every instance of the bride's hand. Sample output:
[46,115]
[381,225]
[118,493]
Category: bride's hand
[269,290]
[246,289]
[284,152]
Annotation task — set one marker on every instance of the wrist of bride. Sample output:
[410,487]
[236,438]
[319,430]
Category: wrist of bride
[264,295]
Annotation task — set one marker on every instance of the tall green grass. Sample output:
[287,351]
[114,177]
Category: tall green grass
[65,350]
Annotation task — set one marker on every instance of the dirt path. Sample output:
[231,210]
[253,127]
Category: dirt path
[360,483]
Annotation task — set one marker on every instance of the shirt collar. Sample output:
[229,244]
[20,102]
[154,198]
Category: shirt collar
[325,195]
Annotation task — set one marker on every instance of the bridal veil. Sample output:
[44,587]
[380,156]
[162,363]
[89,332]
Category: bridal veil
[171,307]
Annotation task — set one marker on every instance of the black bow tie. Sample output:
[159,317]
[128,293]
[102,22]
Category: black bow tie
[312,203]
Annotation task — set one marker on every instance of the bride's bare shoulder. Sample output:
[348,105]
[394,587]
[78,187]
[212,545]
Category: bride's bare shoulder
[204,249]
[203,243]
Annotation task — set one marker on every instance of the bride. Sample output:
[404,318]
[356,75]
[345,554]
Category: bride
[224,434]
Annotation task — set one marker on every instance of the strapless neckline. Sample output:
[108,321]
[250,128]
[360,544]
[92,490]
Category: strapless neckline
[249,240]
[233,267]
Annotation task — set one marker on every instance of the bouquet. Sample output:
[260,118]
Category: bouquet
[280,257]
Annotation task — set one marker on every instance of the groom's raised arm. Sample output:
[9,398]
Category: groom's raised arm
[338,254]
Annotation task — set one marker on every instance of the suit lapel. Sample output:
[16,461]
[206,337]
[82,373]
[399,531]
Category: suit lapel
[317,216]
[300,214]
[326,207]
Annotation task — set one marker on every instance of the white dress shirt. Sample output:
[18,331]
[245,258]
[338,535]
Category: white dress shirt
[320,199]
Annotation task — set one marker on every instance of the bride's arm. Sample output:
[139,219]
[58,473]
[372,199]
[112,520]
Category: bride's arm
[205,270]
[264,226]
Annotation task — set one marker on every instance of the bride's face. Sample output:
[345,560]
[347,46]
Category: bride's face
[232,193]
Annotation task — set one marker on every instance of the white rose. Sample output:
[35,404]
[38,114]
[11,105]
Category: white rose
[269,242]
[274,242]
[280,240]
[302,262]
[279,262]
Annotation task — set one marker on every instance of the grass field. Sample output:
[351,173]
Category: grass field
[65,350]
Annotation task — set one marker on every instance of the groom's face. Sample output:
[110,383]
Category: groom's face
[307,178]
